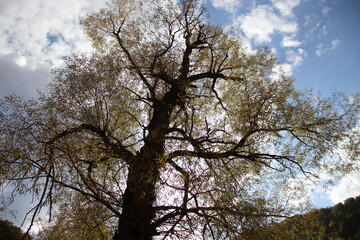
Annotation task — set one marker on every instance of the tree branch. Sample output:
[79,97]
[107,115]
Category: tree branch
[117,148]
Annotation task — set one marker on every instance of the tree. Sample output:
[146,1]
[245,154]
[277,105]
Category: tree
[173,126]
[338,222]
[10,232]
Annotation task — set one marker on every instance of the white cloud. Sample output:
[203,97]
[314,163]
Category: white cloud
[323,30]
[290,42]
[274,51]
[295,58]
[349,186]
[20,60]
[317,30]
[285,6]
[335,43]
[228,5]
[325,10]
[27,24]
[36,35]
[321,49]
[302,52]
[262,22]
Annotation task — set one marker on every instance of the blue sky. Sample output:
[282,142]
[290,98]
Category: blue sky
[317,42]
[318,38]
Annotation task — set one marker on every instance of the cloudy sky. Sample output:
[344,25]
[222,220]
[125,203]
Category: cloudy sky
[316,40]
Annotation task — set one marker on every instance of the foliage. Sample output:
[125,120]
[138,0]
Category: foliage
[335,223]
[78,219]
[343,220]
[10,232]
[173,126]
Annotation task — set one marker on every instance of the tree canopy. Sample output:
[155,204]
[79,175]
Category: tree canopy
[174,127]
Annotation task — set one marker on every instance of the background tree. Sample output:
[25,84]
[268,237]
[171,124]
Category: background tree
[10,232]
[338,222]
[173,126]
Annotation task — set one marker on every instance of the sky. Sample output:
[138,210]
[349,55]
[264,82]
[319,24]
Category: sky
[316,41]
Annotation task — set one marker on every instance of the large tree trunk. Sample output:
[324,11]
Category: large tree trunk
[144,171]
[135,221]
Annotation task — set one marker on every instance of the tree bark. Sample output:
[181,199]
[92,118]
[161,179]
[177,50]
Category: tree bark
[135,221]
[144,172]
